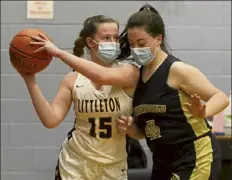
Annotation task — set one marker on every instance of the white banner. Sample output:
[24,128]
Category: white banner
[40,9]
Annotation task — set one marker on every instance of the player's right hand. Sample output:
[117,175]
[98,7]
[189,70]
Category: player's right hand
[44,43]
[123,124]
[29,78]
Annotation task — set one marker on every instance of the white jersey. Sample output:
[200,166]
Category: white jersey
[95,135]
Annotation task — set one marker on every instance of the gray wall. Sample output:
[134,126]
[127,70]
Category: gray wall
[198,33]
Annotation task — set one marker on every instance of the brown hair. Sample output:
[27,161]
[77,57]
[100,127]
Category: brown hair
[89,30]
[149,18]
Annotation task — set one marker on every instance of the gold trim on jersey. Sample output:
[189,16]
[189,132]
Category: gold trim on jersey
[204,158]
[198,125]
[175,177]
[152,131]
[149,108]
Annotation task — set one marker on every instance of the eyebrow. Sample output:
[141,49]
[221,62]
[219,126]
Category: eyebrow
[140,40]
[116,34]
[137,40]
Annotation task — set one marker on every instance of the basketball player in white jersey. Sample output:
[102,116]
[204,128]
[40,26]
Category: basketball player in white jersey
[93,150]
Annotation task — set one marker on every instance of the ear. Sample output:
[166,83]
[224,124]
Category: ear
[89,42]
[159,38]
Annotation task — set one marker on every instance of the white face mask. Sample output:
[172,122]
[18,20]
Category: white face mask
[143,56]
[108,51]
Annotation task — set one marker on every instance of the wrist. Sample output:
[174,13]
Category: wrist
[59,53]
[131,129]
[30,82]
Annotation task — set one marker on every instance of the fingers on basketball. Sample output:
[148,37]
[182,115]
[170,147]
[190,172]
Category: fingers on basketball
[24,56]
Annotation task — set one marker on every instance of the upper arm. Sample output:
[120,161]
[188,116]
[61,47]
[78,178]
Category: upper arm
[125,75]
[192,81]
[63,99]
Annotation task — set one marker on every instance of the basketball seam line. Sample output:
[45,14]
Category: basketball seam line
[27,54]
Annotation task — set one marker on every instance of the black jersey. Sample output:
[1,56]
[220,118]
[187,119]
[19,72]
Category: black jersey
[159,110]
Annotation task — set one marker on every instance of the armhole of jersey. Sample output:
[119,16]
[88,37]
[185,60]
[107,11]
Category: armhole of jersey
[168,76]
[74,93]
[135,64]
[130,61]
[117,64]
[122,89]
[121,63]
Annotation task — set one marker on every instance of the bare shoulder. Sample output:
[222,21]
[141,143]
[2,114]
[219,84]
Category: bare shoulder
[69,79]
[134,69]
[127,66]
[130,65]
[130,62]
[182,73]
[180,68]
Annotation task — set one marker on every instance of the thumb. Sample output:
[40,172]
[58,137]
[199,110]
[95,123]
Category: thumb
[188,105]
[123,118]
[203,107]
[129,121]
[38,50]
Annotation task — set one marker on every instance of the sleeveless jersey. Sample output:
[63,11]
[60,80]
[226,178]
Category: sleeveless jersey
[95,135]
[160,112]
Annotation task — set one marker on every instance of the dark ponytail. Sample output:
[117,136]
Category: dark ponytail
[124,44]
[149,7]
[79,44]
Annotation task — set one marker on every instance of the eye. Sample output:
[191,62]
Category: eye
[116,38]
[107,38]
[142,45]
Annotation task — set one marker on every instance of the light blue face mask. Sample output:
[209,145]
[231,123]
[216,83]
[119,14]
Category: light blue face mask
[143,56]
[108,51]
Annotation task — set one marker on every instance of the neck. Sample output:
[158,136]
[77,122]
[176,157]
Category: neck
[159,58]
[95,59]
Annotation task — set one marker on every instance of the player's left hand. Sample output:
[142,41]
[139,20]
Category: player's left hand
[45,44]
[196,107]
[123,123]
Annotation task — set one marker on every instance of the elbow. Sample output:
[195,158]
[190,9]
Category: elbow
[49,124]
[225,99]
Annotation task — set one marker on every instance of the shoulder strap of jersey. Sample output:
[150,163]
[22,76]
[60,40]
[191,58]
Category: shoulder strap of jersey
[74,90]
[165,67]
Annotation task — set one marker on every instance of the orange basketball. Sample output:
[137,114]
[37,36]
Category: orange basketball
[22,54]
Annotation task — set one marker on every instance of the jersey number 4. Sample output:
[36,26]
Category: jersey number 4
[105,128]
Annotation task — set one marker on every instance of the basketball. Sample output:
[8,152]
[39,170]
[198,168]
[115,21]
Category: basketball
[22,55]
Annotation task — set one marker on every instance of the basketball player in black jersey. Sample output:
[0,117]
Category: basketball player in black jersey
[167,106]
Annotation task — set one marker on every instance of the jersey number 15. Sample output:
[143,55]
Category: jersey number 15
[105,128]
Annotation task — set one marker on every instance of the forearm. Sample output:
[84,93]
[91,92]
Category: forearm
[134,132]
[89,69]
[42,107]
[216,104]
